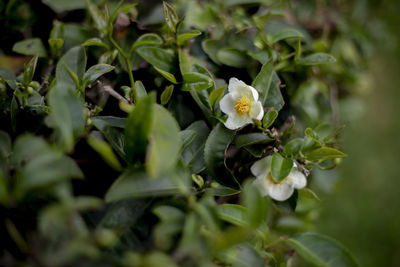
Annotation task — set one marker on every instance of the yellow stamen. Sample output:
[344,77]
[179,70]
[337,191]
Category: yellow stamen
[242,105]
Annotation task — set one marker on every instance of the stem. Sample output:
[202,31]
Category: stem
[128,64]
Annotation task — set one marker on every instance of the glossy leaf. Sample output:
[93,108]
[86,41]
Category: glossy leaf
[29,70]
[169,76]
[109,127]
[280,167]
[170,16]
[96,42]
[193,81]
[293,147]
[216,95]
[30,47]
[275,98]
[214,155]
[75,60]
[95,72]
[158,57]
[321,250]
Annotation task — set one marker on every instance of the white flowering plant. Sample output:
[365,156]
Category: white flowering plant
[135,139]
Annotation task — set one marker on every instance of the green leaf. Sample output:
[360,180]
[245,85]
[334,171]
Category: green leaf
[252,139]
[138,128]
[234,214]
[170,16]
[293,147]
[262,82]
[137,184]
[169,76]
[316,59]
[140,90]
[193,81]
[158,57]
[96,42]
[182,38]
[298,50]
[285,34]
[165,143]
[67,115]
[275,98]
[97,16]
[242,255]
[75,60]
[280,167]
[56,39]
[108,57]
[30,47]
[321,250]
[185,65]
[269,118]
[216,95]
[192,155]
[222,191]
[73,76]
[95,72]
[214,155]
[5,145]
[147,39]
[232,57]
[105,151]
[29,70]
[324,153]
[187,137]
[166,94]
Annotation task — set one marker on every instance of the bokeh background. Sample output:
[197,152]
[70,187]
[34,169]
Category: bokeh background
[364,210]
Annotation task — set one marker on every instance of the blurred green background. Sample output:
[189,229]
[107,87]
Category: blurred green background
[364,212]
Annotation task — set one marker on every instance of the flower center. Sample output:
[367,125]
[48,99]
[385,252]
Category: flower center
[242,105]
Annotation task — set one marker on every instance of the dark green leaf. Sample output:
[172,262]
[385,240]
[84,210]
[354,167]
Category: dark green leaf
[211,48]
[262,82]
[166,94]
[30,47]
[97,16]
[138,128]
[187,137]
[185,65]
[280,167]
[325,153]
[252,139]
[108,126]
[96,42]
[95,72]
[222,191]
[255,204]
[182,38]
[316,59]
[158,57]
[9,77]
[234,214]
[5,145]
[193,81]
[321,250]
[61,5]
[293,147]
[275,98]
[214,155]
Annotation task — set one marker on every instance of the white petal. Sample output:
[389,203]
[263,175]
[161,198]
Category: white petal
[234,85]
[238,88]
[281,191]
[262,183]
[227,104]
[296,178]
[253,92]
[256,111]
[236,121]
[261,167]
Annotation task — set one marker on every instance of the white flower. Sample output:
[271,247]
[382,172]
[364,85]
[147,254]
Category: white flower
[241,105]
[267,185]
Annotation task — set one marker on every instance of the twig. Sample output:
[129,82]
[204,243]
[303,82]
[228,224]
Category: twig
[45,80]
[112,92]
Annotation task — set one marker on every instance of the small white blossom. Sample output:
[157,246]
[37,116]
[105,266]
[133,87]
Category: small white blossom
[267,185]
[241,105]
